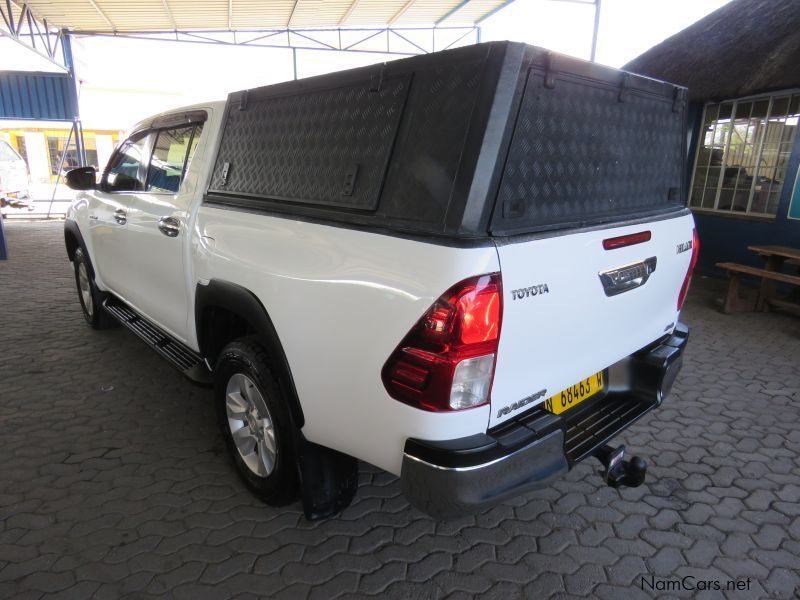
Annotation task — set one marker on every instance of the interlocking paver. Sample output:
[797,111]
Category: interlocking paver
[626,570]
[116,482]
[782,583]
[703,553]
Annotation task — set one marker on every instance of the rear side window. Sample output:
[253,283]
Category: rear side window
[124,172]
[172,152]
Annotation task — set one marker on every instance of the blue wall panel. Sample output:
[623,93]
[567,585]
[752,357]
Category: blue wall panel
[38,96]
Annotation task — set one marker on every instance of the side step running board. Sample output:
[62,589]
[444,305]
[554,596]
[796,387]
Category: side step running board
[186,360]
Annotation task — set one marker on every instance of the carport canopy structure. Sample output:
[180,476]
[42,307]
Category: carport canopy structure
[90,16]
[378,26]
[397,26]
[402,27]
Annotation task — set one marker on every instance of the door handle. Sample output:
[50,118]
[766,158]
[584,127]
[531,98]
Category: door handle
[120,216]
[169,226]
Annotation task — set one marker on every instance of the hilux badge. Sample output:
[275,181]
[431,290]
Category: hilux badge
[684,247]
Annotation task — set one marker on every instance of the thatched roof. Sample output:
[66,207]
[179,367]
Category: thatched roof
[745,47]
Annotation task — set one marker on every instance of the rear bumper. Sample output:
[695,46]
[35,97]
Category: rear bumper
[447,479]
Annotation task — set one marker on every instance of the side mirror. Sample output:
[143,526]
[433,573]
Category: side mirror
[82,178]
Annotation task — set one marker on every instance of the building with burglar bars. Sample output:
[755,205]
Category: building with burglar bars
[741,64]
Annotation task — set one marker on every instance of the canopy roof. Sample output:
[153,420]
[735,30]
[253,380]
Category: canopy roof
[170,15]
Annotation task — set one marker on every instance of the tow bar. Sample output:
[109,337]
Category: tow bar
[618,471]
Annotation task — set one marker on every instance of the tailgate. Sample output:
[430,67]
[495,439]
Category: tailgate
[560,326]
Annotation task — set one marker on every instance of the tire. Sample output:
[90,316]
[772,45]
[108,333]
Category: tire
[255,421]
[90,297]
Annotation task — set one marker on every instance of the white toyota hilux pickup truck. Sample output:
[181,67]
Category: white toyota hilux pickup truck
[465,268]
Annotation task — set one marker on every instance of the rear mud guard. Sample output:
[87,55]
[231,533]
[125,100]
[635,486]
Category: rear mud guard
[329,479]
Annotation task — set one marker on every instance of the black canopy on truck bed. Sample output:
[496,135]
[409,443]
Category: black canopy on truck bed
[488,140]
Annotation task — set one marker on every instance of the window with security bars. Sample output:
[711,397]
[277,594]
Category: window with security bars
[743,153]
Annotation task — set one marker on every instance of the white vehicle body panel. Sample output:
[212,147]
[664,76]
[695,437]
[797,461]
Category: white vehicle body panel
[341,301]
[114,248]
[552,340]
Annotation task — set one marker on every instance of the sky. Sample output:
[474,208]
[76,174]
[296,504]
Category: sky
[116,91]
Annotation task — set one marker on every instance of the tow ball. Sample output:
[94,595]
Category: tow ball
[619,472]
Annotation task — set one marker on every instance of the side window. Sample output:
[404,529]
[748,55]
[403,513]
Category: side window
[172,152]
[124,172]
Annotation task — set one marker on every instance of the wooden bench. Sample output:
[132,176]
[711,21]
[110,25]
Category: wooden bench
[733,302]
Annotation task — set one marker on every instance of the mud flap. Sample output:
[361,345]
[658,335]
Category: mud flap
[329,480]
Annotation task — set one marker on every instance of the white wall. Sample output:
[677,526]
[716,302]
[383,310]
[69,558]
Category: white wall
[38,161]
[105,146]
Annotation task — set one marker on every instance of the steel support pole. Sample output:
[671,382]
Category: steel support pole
[294,62]
[596,28]
[69,62]
[72,130]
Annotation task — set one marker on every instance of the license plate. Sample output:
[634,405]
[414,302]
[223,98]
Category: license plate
[574,395]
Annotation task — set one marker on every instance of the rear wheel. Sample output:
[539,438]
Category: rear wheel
[90,297]
[255,421]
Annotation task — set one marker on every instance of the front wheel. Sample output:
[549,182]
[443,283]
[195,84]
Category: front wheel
[254,418]
[90,297]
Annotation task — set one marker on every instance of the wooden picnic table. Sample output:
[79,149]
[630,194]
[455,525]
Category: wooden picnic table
[777,254]
[775,257]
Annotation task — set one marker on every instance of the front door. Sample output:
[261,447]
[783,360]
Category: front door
[110,207]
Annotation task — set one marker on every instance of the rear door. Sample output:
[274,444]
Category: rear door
[159,226]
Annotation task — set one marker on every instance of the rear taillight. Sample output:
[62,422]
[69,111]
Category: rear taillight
[688,279]
[446,362]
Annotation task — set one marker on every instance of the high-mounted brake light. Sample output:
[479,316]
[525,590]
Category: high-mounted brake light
[688,279]
[626,240]
[446,362]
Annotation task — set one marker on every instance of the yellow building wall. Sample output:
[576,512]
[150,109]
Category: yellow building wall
[42,149]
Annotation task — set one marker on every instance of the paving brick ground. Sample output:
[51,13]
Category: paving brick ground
[114,482]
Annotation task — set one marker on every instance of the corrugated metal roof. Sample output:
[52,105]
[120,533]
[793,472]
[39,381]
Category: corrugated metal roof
[39,96]
[170,15]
